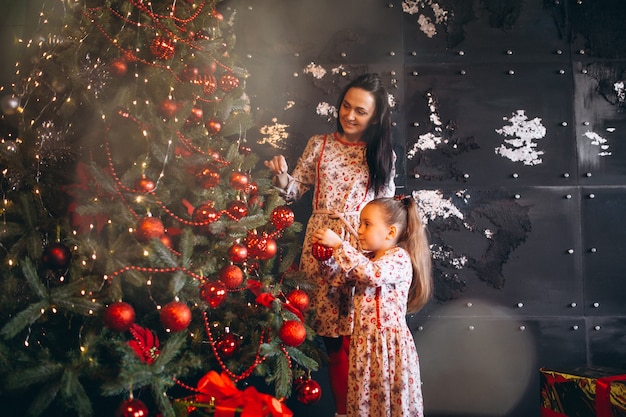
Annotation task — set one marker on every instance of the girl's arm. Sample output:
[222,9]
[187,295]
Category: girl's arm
[391,268]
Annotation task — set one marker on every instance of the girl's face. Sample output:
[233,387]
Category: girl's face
[374,234]
[357,113]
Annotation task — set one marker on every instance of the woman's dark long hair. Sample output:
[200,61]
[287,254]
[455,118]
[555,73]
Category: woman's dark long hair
[379,147]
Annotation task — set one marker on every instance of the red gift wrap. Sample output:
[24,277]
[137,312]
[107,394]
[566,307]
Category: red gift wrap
[583,392]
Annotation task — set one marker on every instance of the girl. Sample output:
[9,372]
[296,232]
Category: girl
[346,169]
[392,280]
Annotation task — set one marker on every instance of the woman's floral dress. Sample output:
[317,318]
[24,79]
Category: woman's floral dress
[384,374]
[338,174]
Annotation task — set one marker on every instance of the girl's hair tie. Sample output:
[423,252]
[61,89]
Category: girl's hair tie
[405,199]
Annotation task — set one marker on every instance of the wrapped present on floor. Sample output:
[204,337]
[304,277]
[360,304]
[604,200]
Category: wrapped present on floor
[217,396]
[583,392]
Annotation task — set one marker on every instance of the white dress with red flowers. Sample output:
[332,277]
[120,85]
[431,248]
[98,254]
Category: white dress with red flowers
[338,174]
[384,374]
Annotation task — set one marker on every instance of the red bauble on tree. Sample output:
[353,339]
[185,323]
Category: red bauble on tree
[145,185]
[132,408]
[190,73]
[162,47]
[228,345]
[299,299]
[231,276]
[238,253]
[214,293]
[56,256]
[203,215]
[175,316]
[237,210]
[149,228]
[208,176]
[261,247]
[213,126]
[292,333]
[308,391]
[228,82]
[321,252]
[119,316]
[282,217]
[167,108]
[196,115]
[239,180]
[118,67]
[208,82]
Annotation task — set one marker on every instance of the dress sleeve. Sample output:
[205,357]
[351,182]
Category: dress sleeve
[303,176]
[360,268]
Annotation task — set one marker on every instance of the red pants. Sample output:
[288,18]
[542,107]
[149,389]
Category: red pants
[338,349]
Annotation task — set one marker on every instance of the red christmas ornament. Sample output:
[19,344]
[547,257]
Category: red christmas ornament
[239,180]
[144,185]
[168,108]
[175,316]
[228,345]
[213,126]
[299,299]
[162,48]
[217,15]
[237,210]
[119,316]
[238,253]
[261,247]
[149,228]
[252,188]
[196,115]
[190,73]
[208,83]
[208,176]
[245,150]
[56,256]
[118,67]
[228,82]
[308,391]
[132,408]
[214,293]
[321,252]
[292,333]
[205,214]
[209,69]
[231,276]
[282,217]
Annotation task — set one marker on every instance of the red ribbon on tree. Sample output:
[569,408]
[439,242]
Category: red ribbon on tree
[219,389]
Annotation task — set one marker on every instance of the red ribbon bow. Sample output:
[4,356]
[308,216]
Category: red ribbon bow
[221,391]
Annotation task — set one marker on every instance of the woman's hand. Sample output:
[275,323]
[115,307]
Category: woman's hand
[327,237]
[278,165]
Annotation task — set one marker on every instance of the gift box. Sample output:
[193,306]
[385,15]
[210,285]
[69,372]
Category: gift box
[583,392]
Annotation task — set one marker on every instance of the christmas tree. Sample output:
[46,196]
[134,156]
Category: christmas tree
[142,251]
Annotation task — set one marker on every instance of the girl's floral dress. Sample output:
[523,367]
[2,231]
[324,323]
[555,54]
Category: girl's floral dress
[384,374]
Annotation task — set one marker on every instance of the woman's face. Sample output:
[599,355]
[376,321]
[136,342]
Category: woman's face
[357,113]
